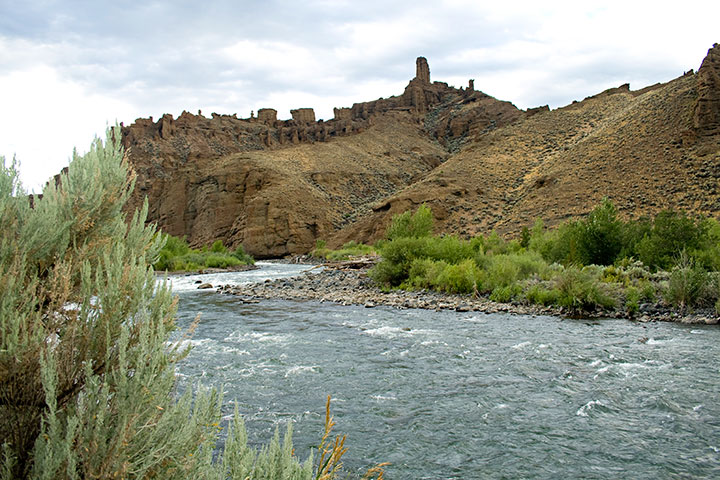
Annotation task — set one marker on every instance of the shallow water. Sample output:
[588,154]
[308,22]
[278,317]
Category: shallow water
[463,395]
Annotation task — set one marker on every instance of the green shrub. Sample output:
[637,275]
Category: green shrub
[87,367]
[648,292]
[688,285]
[556,246]
[450,249]
[632,234]
[540,295]
[411,225]
[502,271]
[599,235]
[460,278]
[495,244]
[218,247]
[632,300]
[505,294]
[177,255]
[244,257]
[525,237]
[672,232]
[580,291]
[423,273]
[349,250]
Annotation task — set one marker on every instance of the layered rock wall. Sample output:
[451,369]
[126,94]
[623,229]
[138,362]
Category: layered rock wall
[707,112]
[303,115]
[267,116]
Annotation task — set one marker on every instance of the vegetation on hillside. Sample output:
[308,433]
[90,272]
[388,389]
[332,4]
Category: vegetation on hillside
[87,372]
[177,255]
[599,262]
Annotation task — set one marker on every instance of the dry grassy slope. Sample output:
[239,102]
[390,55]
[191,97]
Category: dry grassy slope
[559,164]
[277,202]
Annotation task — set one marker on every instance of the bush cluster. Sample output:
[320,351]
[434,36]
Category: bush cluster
[599,262]
[177,255]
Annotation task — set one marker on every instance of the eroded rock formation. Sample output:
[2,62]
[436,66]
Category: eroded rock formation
[707,111]
[276,186]
[220,177]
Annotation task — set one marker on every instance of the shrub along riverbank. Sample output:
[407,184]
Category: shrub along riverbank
[87,362]
[177,255]
[597,263]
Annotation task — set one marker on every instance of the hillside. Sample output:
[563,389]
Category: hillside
[277,186]
[645,150]
[479,163]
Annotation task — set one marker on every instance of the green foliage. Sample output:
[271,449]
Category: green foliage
[349,250]
[241,255]
[415,225]
[556,246]
[85,372]
[274,461]
[599,236]
[177,255]
[603,239]
[397,258]
[632,300]
[579,290]
[502,271]
[689,284]
[542,295]
[525,237]
[87,377]
[450,249]
[672,232]
[458,278]
[218,247]
[532,267]
[505,294]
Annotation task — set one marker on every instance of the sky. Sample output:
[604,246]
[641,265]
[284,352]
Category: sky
[68,68]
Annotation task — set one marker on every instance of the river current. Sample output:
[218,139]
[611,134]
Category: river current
[462,395]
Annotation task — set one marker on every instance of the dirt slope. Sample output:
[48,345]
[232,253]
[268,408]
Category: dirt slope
[641,149]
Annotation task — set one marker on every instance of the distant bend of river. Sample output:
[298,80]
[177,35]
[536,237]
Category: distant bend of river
[463,395]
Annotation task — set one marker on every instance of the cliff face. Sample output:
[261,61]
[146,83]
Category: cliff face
[707,110]
[481,164]
[207,185]
[276,186]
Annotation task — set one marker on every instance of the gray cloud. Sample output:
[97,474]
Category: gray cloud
[152,57]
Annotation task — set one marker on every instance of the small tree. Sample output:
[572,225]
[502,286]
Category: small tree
[411,225]
[599,236]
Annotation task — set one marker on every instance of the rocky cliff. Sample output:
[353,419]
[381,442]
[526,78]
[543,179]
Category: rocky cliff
[481,164]
[276,186]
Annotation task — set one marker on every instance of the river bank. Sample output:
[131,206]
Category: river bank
[351,286]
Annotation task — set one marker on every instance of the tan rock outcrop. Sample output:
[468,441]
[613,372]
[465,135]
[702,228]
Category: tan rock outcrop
[707,112]
[422,70]
[267,116]
[303,115]
[342,113]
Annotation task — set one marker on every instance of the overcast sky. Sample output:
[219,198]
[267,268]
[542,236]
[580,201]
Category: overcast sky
[68,68]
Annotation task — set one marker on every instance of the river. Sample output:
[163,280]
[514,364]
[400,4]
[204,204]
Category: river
[444,395]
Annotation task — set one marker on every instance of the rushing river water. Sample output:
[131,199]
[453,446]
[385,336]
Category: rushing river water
[464,395]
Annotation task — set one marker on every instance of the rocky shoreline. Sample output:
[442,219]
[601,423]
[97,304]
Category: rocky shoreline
[351,286]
